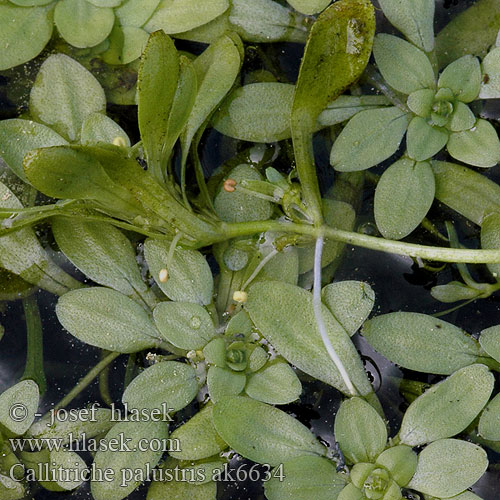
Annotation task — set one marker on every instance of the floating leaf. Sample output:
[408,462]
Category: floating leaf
[167,383]
[18,137]
[490,84]
[271,436]
[135,12]
[423,140]
[82,24]
[65,94]
[180,490]
[490,341]
[68,469]
[420,342]
[447,467]
[489,423]
[309,7]
[447,408]
[189,276]
[223,383]
[369,138]
[463,78]
[462,118]
[276,384]
[140,434]
[18,406]
[400,461]
[259,112]
[403,197]
[184,324]
[414,18]
[100,128]
[360,431]
[11,489]
[23,33]
[106,319]
[350,302]
[306,477]
[284,315]
[405,67]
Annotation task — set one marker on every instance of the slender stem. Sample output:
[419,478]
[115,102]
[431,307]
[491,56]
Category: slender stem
[104,382]
[317,304]
[34,356]
[86,380]
[258,269]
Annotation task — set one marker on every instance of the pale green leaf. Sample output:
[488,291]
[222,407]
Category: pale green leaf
[350,492]
[414,18]
[405,67]
[453,292]
[306,478]
[177,16]
[448,467]
[270,435]
[198,438]
[23,33]
[105,3]
[478,146]
[11,489]
[165,386]
[276,384]
[61,463]
[403,197]
[309,7]
[215,352]
[100,128]
[18,406]
[424,140]
[107,319]
[224,382]
[360,431]
[64,95]
[420,102]
[490,341]
[135,12]
[462,118]
[18,137]
[189,276]
[489,423]
[284,266]
[126,44]
[490,84]
[370,137]
[30,3]
[184,324]
[490,239]
[181,490]
[284,315]
[350,302]
[420,342]
[259,112]
[400,461]
[140,462]
[82,24]
[447,408]
[463,78]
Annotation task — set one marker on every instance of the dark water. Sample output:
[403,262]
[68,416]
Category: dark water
[399,284]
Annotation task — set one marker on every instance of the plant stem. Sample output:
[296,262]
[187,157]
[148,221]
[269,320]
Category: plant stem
[86,380]
[34,356]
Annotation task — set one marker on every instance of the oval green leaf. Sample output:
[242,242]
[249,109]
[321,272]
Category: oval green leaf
[18,406]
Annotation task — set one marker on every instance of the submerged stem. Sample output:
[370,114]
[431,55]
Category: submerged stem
[319,318]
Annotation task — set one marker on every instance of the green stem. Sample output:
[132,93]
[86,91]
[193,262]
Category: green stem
[34,356]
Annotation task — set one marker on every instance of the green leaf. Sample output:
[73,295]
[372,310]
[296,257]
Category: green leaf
[490,239]
[61,462]
[157,84]
[11,489]
[420,102]
[140,462]
[350,303]
[239,206]
[490,341]
[403,197]
[448,467]
[189,276]
[135,12]
[400,461]
[306,477]
[284,315]
[180,490]
[420,342]
[224,382]
[424,140]
[414,18]
[489,423]
[102,252]
[490,84]
[105,3]
[369,138]
[23,33]
[177,16]
[167,383]
[82,24]
[405,67]
[350,492]
[259,112]
[469,193]
[462,118]
[453,292]
[360,431]
[18,406]
[463,78]
[309,7]
[184,324]
[106,319]
[263,433]
[216,69]
[284,266]
[478,146]
[18,137]
[64,95]
[198,438]
[99,128]
[215,352]
[447,408]
[276,384]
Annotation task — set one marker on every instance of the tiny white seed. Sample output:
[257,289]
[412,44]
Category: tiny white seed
[163,276]
[240,296]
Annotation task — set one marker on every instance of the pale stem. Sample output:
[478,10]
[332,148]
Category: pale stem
[258,269]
